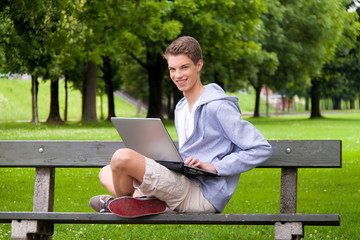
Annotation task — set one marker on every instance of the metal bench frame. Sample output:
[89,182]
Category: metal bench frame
[45,156]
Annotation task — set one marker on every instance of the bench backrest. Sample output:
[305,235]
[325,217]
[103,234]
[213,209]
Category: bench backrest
[46,155]
[286,153]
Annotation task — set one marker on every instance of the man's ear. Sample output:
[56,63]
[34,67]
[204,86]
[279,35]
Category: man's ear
[199,65]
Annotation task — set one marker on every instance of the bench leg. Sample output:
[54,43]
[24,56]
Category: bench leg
[43,202]
[26,230]
[289,231]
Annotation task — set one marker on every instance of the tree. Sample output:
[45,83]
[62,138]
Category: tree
[133,78]
[349,57]
[333,82]
[109,89]
[145,42]
[352,73]
[229,35]
[107,21]
[30,33]
[104,26]
[304,35]
[222,28]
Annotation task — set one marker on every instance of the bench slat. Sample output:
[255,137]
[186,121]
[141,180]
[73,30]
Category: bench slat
[286,153]
[215,219]
[305,154]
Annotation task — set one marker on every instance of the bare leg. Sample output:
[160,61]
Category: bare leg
[126,165]
[106,180]
[105,177]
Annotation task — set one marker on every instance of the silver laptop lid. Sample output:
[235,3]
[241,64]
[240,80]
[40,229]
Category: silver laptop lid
[147,136]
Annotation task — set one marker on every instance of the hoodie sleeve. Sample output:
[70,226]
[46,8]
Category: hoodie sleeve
[250,146]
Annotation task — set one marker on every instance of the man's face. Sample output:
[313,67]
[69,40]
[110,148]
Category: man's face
[183,72]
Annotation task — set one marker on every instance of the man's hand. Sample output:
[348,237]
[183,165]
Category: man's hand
[193,162]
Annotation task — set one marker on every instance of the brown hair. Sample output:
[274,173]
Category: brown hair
[185,45]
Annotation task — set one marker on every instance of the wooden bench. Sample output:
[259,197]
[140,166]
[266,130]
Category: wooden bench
[45,156]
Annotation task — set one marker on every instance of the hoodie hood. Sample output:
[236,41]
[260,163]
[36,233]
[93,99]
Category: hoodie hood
[212,92]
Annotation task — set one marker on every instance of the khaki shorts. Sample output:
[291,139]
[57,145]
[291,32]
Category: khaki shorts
[179,192]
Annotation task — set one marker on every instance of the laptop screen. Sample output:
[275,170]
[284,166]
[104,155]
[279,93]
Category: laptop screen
[147,136]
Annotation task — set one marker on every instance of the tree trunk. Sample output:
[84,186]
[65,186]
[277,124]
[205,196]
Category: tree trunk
[66,98]
[326,104]
[267,102]
[155,94]
[169,105]
[288,103]
[217,79]
[283,102]
[139,106]
[352,104]
[101,104]
[307,104]
[257,101]
[336,103]
[89,93]
[176,96]
[54,115]
[108,87]
[156,69]
[315,100]
[34,92]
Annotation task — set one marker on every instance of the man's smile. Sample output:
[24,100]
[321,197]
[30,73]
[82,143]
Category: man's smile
[181,82]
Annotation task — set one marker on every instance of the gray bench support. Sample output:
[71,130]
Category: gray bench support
[45,156]
[288,204]
[43,202]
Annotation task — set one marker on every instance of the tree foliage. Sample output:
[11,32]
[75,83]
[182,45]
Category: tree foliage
[31,43]
[285,45]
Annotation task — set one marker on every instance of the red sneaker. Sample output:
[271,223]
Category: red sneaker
[136,207]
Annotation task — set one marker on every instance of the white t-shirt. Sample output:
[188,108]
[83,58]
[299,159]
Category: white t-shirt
[186,122]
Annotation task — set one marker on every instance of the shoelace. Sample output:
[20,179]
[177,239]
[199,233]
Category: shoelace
[105,203]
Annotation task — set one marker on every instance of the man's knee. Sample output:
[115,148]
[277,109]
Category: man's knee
[121,158]
[104,174]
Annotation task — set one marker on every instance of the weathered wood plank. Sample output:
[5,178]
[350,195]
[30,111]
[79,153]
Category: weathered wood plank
[305,153]
[215,219]
[57,153]
[286,153]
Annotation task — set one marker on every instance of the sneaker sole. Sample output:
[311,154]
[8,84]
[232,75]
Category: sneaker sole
[136,207]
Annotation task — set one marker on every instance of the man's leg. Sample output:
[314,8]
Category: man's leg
[106,180]
[126,165]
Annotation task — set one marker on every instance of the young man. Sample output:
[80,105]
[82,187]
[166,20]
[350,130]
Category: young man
[212,136]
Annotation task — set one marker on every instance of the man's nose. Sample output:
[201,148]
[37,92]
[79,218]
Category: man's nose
[178,73]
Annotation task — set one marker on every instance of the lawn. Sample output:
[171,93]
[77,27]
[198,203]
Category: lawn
[15,96]
[320,190]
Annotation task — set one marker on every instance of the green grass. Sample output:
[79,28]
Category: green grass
[15,97]
[320,190]
[15,102]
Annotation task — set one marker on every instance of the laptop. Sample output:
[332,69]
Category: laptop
[149,137]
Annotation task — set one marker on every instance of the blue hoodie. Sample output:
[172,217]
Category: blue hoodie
[222,138]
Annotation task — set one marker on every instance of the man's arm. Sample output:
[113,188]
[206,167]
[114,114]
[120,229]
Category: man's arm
[251,147]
